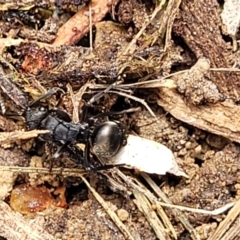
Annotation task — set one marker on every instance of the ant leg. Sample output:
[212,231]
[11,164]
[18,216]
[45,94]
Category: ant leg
[87,165]
[107,167]
[100,94]
[95,98]
[75,153]
[61,114]
[107,114]
[56,155]
[44,96]
[86,157]
[60,150]
[84,114]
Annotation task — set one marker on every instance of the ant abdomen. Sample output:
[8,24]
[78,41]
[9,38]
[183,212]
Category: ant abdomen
[107,139]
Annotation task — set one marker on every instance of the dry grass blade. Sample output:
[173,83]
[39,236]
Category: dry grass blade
[177,214]
[225,224]
[162,214]
[111,213]
[225,69]
[90,29]
[76,100]
[145,207]
[169,16]
[16,227]
[233,232]
[62,171]
[155,83]
[8,137]
[166,220]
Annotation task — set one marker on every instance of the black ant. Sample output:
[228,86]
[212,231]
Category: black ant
[104,139]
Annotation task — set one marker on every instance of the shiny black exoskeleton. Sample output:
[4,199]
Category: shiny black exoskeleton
[104,139]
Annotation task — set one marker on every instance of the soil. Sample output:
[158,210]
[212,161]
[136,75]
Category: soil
[174,65]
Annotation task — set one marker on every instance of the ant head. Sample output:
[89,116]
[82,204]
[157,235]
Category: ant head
[34,116]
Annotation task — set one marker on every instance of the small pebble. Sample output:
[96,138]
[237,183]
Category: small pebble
[188,145]
[141,219]
[182,152]
[237,186]
[182,142]
[122,214]
[198,149]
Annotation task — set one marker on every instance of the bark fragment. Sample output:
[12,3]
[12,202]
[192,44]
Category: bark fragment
[199,25]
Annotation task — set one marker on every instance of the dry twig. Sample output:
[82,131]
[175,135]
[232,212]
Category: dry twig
[8,137]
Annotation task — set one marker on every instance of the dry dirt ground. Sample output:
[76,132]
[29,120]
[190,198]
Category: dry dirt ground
[175,61]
